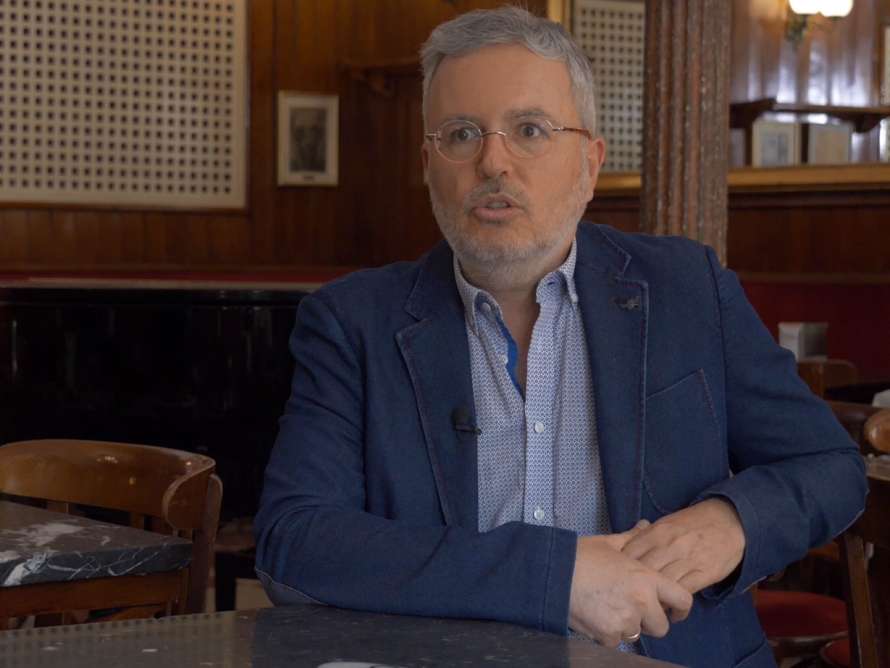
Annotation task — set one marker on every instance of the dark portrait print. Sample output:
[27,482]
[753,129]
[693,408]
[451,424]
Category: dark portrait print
[308,132]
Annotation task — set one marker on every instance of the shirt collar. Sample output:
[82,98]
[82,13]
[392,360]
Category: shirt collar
[472,297]
[567,271]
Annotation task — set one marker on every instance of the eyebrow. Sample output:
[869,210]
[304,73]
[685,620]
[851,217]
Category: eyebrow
[528,112]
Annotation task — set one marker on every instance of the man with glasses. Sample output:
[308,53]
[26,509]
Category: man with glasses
[541,422]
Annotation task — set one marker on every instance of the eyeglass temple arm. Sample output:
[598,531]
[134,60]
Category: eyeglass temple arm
[582,131]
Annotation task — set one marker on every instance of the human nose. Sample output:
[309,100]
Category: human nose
[494,156]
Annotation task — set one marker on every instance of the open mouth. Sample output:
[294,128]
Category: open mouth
[495,202]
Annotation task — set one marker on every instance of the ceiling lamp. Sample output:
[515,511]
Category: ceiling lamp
[836,7]
[798,20]
[833,8]
[805,6]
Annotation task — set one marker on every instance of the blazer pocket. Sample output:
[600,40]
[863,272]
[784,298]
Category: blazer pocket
[684,452]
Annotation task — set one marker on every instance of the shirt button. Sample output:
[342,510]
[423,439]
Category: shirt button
[486,307]
[504,359]
[539,427]
[539,514]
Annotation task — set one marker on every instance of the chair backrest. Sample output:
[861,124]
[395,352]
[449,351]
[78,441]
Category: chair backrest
[865,551]
[877,431]
[822,374]
[163,490]
[853,417]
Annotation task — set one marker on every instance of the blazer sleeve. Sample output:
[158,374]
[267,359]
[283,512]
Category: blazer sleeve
[315,540]
[798,479]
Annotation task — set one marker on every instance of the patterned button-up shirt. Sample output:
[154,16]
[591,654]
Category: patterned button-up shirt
[538,458]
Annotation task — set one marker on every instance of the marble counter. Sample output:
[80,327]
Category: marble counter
[878,468]
[38,545]
[302,637]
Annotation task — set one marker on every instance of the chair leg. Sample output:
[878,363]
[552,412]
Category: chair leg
[181,606]
[225,576]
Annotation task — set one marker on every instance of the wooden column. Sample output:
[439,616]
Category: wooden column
[686,120]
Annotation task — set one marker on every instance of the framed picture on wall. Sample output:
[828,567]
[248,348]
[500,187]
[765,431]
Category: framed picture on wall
[885,66]
[885,93]
[612,35]
[825,144]
[775,144]
[307,139]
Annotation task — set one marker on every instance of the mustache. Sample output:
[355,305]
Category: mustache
[492,187]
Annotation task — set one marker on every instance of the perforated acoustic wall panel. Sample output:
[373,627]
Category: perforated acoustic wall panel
[612,35]
[123,102]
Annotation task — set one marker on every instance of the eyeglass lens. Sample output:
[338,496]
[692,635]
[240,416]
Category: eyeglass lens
[462,140]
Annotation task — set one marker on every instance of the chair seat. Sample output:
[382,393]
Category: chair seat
[837,653]
[797,614]
[160,490]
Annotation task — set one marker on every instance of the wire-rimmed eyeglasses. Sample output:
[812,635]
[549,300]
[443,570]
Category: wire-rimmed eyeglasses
[461,140]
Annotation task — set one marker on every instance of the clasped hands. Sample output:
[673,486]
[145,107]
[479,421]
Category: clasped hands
[642,580]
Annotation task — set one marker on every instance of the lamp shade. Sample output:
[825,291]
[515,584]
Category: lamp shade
[805,6]
[836,7]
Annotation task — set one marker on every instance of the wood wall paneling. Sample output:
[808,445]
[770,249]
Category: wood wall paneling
[380,210]
[377,214]
[262,203]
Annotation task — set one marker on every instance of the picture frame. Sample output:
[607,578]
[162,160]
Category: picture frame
[611,33]
[561,12]
[884,149]
[308,139]
[826,144]
[885,65]
[198,163]
[775,143]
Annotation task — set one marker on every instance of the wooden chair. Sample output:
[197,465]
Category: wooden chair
[854,418]
[159,489]
[867,576]
[877,431]
[799,623]
[823,374]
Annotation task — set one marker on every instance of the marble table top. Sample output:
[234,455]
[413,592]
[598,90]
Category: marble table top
[38,545]
[302,637]
[879,468]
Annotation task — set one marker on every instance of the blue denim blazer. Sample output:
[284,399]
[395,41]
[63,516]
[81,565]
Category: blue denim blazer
[370,496]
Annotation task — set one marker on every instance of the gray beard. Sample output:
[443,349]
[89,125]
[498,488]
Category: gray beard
[508,265]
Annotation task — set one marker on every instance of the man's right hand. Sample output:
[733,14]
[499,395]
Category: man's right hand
[615,597]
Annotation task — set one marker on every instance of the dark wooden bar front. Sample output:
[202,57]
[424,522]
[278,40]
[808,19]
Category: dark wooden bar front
[201,366]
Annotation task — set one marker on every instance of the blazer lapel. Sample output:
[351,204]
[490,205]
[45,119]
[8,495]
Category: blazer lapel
[614,308]
[436,352]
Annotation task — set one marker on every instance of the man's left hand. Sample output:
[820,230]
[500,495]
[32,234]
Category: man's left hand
[696,547]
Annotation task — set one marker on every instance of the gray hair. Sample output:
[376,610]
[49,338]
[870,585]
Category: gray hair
[511,25]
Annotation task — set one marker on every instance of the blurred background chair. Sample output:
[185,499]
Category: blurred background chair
[823,374]
[800,621]
[156,489]
[865,555]
[854,417]
[877,431]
